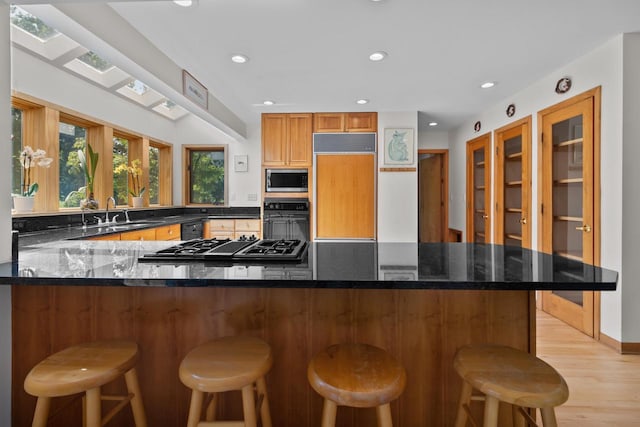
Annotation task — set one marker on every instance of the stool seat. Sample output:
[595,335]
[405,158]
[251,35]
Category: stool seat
[225,364]
[511,376]
[80,368]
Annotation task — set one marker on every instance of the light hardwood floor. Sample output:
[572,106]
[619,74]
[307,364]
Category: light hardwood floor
[604,385]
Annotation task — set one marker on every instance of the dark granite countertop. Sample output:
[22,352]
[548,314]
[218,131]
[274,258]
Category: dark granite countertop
[367,265]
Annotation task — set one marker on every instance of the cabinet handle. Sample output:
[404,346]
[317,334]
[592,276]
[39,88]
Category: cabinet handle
[586,228]
[523,221]
[485,216]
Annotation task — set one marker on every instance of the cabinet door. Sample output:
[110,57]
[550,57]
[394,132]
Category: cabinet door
[361,122]
[168,232]
[569,226]
[479,190]
[274,139]
[328,122]
[148,234]
[114,236]
[300,139]
[513,184]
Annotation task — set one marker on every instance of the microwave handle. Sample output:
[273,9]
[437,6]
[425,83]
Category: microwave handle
[268,181]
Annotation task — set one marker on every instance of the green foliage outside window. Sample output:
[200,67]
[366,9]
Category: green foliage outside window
[16,143]
[120,177]
[154,175]
[72,180]
[31,24]
[207,177]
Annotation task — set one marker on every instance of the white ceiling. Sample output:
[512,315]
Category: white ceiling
[312,55]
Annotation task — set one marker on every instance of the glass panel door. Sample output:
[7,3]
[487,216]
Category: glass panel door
[479,190]
[567,210]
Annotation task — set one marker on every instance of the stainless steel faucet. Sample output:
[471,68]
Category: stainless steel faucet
[84,223]
[126,214]
[106,215]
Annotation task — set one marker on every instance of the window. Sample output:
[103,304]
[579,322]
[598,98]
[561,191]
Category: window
[72,179]
[206,175]
[31,24]
[154,175]
[16,142]
[120,178]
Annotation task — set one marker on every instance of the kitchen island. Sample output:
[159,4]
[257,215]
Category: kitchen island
[418,301]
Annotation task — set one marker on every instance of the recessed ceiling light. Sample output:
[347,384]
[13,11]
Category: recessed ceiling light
[433,123]
[378,56]
[239,59]
[268,102]
[362,101]
[183,3]
[487,85]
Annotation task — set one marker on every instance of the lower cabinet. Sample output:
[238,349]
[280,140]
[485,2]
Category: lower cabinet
[232,228]
[166,232]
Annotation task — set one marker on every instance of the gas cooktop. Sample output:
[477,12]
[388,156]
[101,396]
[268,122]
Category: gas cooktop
[231,250]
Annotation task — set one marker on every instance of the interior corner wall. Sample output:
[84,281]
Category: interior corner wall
[397,191]
[631,196]
[600,67]
[5,216]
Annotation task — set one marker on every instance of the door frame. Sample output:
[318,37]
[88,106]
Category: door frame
[594,93]
[445,167]
[488,174]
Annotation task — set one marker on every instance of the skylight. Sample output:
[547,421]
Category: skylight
[168,104]
[138,87]
[32,24]
[94,61]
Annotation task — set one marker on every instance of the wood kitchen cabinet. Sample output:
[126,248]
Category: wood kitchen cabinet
[287,139]
[232,228]
[147,234]
[166,232]
[345,122]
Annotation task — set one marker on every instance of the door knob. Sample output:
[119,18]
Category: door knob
[523,220]
[586,228]
[485,216]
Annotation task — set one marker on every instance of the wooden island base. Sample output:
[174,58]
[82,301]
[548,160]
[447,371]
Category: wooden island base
[421,328]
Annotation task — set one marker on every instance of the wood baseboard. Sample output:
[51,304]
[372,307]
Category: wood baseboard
[620,347]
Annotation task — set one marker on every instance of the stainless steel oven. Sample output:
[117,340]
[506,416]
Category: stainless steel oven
[286,180]
[286,218]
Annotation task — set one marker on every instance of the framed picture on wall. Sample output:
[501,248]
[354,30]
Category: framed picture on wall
[398,146]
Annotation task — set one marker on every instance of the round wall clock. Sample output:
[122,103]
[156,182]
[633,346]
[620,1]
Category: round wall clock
[511,110]
[563,85]
[477,126]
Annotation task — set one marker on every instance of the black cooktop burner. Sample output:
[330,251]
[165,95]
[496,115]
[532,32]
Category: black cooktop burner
[235,250]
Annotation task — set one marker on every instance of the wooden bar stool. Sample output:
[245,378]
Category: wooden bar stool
[356,375]
[84,368]
[226,364]
[512,376]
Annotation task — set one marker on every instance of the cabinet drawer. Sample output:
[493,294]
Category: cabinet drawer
[168,232]
[106,237]
[248,233]
[222,225]
[216,234]
[149,234]
[247,225]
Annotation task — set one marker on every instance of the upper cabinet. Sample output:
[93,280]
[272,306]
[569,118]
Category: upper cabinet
[345,122]
[286,139]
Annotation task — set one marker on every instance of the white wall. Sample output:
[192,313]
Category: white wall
[602,66]
[44,81]
[431,139]
[397,191]
[630,191]
[5,216]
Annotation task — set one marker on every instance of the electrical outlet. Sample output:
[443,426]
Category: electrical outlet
[252,197]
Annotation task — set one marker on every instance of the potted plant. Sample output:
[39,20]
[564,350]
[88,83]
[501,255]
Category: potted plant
[89,169]
[135,172]
[29,159]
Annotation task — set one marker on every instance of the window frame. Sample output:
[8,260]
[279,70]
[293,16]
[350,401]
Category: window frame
[186,175]
[165,173]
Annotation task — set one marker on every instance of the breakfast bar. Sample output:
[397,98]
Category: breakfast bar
[419,302]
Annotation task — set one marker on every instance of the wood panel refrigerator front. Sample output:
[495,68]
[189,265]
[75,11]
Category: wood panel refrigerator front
[345,196]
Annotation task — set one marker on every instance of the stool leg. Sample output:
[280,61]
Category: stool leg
[549,417]
[384,415]
[42,412]
[265,413]
[211,407]
[131,378]
[329,413]
[249,406]
[94,409]
[491,406]
[195,408]
[465,398]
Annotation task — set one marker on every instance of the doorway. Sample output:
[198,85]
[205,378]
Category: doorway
[433,190]
[569,160]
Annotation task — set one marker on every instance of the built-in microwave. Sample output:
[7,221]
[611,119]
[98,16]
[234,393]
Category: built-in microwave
[286,180]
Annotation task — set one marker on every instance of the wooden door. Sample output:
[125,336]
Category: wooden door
[479,189]
[299,139]
[345,196]
[432,196]
[274,139]
[569,211]
[328,122]
[513,184]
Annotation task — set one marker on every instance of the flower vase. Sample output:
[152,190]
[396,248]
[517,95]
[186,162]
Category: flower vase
[23,203]
[89,203]
[137,202]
